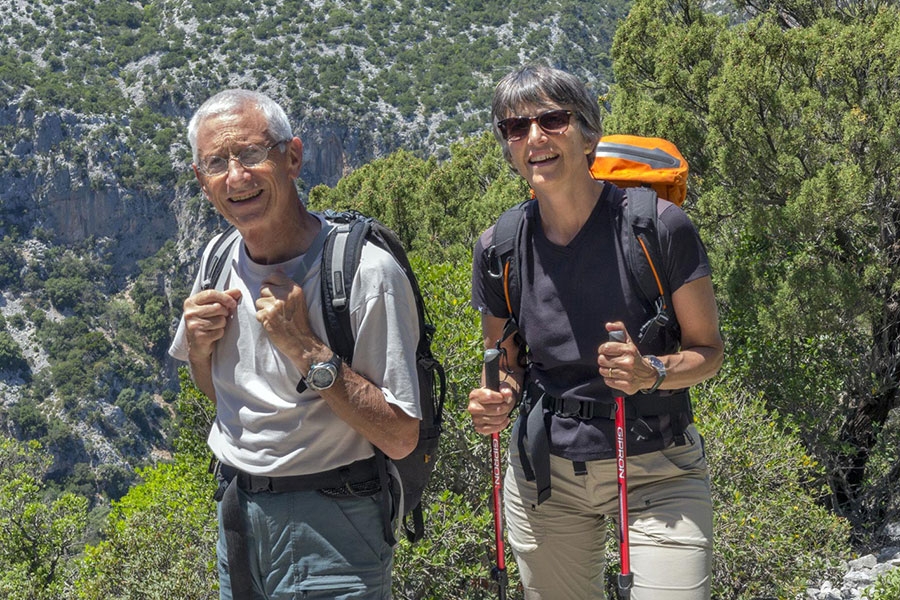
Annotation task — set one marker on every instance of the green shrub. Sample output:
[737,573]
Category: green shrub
[65,293]
[11,264]
[772,532]
[11,357]
[39,534]
[28,418]
[886,587]
[159,540]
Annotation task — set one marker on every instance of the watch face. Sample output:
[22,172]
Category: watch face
[322,376]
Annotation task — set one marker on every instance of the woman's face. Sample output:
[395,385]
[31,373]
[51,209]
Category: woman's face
[551,150]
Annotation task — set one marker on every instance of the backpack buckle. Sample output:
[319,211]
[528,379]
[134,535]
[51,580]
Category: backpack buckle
[567,407]
[659,321]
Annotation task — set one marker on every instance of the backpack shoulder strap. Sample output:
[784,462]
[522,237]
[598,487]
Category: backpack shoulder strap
[340,259]
[504,262]
[214,272]
[639,233]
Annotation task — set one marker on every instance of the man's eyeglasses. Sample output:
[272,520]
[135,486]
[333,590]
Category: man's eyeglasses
[251,156]
[553,122]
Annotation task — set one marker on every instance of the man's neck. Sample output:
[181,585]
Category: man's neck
[288,240]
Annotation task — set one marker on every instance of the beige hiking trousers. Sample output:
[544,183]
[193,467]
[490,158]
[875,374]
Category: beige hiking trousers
[559,545]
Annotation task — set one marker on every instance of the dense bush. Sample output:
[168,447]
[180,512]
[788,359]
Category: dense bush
[39,534]
[11,264]
[160,540]
[773,533]
[11,358]
[886,587]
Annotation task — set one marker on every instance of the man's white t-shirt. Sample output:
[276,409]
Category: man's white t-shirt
[263,426]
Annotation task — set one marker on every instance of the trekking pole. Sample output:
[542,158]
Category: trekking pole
[626,577]
[492,381]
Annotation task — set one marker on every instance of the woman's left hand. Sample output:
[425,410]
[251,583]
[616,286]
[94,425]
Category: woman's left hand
[621,364]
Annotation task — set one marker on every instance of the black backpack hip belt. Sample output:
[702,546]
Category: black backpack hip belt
[530,430]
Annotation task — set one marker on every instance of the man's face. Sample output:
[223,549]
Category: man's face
[258,197]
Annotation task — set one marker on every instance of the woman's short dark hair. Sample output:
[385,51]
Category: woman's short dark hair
[536,85]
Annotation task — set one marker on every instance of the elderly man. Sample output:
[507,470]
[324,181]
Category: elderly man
[296,429]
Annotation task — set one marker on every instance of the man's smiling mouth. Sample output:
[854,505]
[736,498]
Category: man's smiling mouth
[245,197]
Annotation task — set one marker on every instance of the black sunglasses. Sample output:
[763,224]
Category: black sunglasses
[552,121]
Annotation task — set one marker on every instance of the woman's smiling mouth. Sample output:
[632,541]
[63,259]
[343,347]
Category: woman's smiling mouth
[542,158]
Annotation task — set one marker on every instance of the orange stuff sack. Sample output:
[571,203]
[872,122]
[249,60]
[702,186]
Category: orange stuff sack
[631,160]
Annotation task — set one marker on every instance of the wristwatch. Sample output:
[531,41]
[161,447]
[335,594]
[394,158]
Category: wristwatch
[322,375]
[660,373]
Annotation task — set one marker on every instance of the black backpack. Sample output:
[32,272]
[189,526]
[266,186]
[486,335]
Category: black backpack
[639,239]
[340,258]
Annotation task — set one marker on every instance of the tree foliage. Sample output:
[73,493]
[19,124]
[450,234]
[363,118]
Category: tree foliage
[159,541]
[39,535]
[11,357]
[772,533]
[437,209]
[791,132]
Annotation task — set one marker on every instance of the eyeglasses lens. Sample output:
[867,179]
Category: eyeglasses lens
[516,128]
[251,156]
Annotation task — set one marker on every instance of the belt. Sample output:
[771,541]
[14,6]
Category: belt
[360,474]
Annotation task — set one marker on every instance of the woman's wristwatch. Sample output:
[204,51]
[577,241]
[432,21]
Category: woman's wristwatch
[657,364]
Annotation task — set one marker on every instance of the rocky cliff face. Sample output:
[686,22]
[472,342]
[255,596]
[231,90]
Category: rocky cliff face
[60,179]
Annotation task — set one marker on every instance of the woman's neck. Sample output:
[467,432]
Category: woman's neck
[565,210]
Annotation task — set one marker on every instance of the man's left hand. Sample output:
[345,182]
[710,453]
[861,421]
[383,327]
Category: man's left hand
[281,309]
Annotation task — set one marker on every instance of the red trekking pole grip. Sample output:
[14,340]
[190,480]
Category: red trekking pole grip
[492,381]
[626,577]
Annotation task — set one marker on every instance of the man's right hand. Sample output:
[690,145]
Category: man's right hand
[205,315]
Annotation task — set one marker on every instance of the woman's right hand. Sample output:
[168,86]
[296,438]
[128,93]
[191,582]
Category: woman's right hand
[491,410]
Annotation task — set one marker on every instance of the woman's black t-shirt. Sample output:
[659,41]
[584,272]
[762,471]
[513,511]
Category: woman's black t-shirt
[569,293]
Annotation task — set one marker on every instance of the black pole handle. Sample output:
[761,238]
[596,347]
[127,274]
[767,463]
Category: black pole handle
[492,369]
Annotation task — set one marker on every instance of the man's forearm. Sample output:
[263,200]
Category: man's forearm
[361,404]
[201,373]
